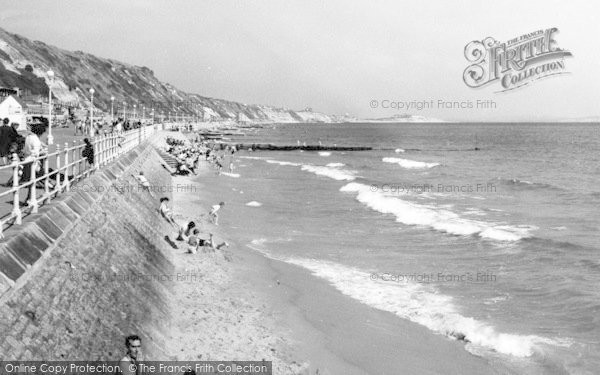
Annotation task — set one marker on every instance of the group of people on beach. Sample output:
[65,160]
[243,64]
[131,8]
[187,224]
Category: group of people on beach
[188,154]
[189,233]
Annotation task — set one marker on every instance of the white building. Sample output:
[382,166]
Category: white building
[13,109]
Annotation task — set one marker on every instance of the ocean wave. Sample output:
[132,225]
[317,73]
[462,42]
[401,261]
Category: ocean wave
[439,219]
[419,303]
[410,164]
[331,170]
[335,173]
[283,163]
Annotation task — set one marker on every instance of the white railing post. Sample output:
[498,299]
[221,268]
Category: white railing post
[104,150]
[32,192]
[109,148]
[76,162]
[100,161]
[57,187]
[100,153]
[16,201]
[66,174]
[95,148]
[47,177]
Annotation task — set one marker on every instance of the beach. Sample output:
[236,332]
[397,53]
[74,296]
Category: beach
[419,253]
[245,306]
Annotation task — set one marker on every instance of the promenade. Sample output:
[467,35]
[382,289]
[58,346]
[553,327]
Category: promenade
[63,157]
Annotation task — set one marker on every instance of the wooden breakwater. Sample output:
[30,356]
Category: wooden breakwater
[272,147]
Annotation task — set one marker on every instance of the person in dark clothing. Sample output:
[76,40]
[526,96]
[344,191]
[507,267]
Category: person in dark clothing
[8,136]
[17,142]
[88,151]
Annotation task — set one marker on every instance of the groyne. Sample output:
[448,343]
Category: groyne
[272,147]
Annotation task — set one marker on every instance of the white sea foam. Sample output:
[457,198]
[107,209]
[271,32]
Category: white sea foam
[253,157]
[324,153]
[419,303]
[331,170]
[254,204]
[335,173]
[442,220]
[410,164]
[283,163]
[258,241]
[234,175]
[474,211]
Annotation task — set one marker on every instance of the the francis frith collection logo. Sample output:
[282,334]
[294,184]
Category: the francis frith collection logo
[514,63]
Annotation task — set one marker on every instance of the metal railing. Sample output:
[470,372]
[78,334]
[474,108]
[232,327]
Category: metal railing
[70,168]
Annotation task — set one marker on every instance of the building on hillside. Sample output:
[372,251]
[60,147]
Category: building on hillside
[12,108]
[242,118]
[5,91]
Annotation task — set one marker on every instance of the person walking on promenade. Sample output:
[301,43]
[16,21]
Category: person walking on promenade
[33,149]
[88,151]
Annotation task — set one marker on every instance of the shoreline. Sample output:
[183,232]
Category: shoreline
[250,307]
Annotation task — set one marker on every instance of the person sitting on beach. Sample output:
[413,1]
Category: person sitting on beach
[183,169]
[185,232]
[144,182]
[193,241]
[165,211]
[213,212]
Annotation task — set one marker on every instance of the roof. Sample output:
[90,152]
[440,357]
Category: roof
[16,98]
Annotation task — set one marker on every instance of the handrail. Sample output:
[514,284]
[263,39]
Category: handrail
[71,167]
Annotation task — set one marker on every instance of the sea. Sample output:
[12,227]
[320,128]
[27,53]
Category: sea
[484,233]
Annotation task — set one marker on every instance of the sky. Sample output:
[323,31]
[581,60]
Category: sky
[337,57]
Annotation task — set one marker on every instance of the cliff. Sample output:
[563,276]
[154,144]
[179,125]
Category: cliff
[25,63]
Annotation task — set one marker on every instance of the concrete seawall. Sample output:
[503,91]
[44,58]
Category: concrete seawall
[89,269]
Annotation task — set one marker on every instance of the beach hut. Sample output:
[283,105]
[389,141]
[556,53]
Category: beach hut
[12,108]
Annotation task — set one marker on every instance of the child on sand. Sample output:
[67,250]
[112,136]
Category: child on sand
[213,212]
[193,242]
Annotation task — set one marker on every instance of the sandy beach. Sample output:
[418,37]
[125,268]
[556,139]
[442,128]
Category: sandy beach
[238,304]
